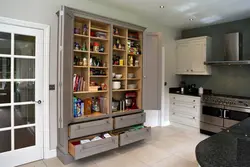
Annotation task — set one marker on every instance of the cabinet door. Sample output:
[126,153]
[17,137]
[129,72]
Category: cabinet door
[198,54]
[65,58]
[152,79]
[183,60]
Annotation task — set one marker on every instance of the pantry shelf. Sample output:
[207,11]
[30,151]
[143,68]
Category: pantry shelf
[132,54]
[133,79]
[118,66]
[97,38]
[86,92]
[98,76]
[98,53]
[98,29]
[134,67]
[81,36]
[120,50]
[98,67]
[133,39]
[80,66]
[120,79]
[119,36]
[81,51]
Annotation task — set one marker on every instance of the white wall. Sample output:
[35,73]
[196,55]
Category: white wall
[43,11]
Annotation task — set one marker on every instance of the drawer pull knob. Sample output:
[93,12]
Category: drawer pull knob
[174,98]
[194,106]
[107,122]
[173,113]
[121,118]
[126,135]
[193,117]
[193,100]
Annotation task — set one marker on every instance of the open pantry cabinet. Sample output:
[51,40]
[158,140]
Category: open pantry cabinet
[100,63]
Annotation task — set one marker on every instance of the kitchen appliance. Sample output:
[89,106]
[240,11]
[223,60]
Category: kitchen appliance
[232,51]
[222,111]
[130,100]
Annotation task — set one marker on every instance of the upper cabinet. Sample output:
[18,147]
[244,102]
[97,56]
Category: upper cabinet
[191,54]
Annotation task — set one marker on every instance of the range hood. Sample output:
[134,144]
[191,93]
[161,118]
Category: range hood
[233,51]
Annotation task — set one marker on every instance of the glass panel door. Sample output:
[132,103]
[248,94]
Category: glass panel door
[21,84]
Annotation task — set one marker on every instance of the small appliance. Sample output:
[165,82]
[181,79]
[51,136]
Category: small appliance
[130,100]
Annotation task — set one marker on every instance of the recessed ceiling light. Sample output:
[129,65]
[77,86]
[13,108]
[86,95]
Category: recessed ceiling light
[162,6]
[191,19]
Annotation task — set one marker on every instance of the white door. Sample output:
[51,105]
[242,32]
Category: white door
[21,95]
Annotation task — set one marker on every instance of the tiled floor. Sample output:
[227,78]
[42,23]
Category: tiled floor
[172,146]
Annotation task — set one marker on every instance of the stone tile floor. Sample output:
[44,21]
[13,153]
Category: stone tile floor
[171,146]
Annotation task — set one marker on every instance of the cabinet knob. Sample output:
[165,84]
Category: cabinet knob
[193,117]
[194,107]
[173,103]
[174,98]
[193,100]
[187,70]
[192,70]
[144,76]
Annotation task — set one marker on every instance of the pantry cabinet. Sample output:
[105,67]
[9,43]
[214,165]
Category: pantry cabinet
[191,54]
[91,49]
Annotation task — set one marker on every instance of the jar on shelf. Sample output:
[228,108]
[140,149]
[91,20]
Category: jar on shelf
[96,47]
[137,63]
[85,63]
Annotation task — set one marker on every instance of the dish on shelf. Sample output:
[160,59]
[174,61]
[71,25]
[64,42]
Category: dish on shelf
[131,75]
[132,86]
[113,75]
[116,85]
[118,76]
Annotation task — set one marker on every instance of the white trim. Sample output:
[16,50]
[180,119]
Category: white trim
[50,154]
[166,123]
[46,34]
[163,96]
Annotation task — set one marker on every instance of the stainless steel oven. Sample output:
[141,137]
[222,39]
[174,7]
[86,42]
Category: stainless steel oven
[219,113]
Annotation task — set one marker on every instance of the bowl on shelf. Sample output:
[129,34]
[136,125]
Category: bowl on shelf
[113,74]
[116,85]
[132,86]
[118,76]
[131,75]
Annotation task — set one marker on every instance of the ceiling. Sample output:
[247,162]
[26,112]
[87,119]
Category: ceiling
[177,13]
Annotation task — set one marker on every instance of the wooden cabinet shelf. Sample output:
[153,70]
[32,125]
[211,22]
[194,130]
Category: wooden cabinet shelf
[133,39]
[132,54]
[134,67]
[118,36]
[98,29]
[118,66]
[80,66]
[120,50]
[81,51]
[133,79]
[81,36]
[98,67]
[124,90]
[97,38]
[121,79]
[88,92]
[98,53]
[98,76]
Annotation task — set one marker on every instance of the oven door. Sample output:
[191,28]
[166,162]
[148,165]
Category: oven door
[234,115]
[212,114]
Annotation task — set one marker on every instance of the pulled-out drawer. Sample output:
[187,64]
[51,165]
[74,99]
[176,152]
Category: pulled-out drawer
[134,136]
[79,151]
[125,121]
[89,128]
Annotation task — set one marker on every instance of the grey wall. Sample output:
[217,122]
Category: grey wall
[225,79]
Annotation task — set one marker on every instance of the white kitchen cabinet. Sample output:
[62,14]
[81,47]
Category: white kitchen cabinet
[185,110]
[191,55]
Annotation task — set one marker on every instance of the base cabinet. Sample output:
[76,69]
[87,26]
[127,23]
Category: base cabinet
[185,110]
[79,151]
[134,136]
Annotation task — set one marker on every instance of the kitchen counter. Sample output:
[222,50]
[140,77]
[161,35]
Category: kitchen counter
[229,148]
[194,92]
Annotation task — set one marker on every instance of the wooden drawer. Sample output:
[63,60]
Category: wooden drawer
[125,121]
[185,119]
[185,99]
[134,136]
[187,109]
[91,148]
[89,128]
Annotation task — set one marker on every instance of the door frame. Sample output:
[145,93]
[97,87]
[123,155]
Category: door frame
[46,37]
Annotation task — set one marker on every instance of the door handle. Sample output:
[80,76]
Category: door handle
[38,102]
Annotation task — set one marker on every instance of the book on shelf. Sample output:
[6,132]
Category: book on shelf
[78,83]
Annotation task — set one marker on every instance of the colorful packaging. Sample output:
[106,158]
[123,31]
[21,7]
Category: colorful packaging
[78,107]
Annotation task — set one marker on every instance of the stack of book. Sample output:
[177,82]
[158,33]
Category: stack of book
[79,83]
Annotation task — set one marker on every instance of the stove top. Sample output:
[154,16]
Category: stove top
[228,100]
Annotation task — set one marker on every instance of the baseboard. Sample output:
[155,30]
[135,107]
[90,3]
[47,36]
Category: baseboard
[165,123]
[50,154]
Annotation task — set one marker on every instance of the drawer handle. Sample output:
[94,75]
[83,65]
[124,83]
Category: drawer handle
[173,103]
[174,98]
[121,118]
[193,117]
[108,122]
[193,100]
[194,107]
[78,127]
[192,70]
[173,113]
[126,135]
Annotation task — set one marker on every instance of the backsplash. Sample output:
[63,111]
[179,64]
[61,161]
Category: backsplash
[234,80]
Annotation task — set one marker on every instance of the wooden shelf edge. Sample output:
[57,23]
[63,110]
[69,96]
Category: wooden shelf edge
[119,36]
[100,53]
[97,38]
[98,76]
[133,39]
[88,92]
[80,66]
[82,36]
[118,66]
[98,67]
[81,51]
[120,50]
[98,29]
